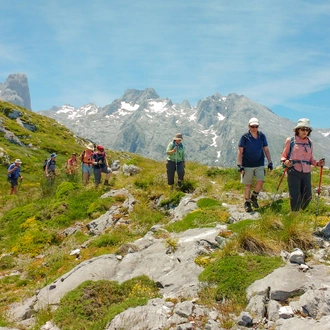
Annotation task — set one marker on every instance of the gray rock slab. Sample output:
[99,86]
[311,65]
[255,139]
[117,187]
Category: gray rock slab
[303,324]
[288,281]
[177,272]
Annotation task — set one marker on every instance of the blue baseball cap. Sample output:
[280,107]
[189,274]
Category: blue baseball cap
[53,155]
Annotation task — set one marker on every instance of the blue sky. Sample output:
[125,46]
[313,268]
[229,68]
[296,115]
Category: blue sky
[277,53]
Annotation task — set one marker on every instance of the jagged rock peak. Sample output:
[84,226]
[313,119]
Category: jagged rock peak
[185,104]
[138,96]
[16,90]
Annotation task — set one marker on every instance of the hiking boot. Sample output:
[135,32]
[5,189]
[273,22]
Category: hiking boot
[179,185]
[254,201]
[106,183]
[247,207]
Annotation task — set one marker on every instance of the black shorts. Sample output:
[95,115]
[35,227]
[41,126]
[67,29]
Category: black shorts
[13,182]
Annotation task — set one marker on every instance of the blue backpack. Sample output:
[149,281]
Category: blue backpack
[45,163]
[10,176]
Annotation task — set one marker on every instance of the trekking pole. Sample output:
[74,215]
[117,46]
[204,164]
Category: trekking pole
[279,184]
[19,184]
[319,192]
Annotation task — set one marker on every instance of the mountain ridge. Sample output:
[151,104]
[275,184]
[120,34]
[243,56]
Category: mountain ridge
[142,122]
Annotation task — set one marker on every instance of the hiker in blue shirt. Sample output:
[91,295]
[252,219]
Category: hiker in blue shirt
[13,175]
[175,160]
[252,149]
[100,165]
[50,169]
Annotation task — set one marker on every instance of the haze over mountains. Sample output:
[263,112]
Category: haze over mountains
[142,122]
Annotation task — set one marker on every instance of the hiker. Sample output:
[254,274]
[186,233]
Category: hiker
[100,165]
[71,165]
[297,156]
[50,168]
[14,170]
[86,162]
[175,160]
[252,149]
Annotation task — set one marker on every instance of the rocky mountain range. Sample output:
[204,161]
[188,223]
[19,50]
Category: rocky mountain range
[142,122]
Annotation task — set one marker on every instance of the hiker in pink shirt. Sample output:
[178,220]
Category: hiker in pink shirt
[297,155]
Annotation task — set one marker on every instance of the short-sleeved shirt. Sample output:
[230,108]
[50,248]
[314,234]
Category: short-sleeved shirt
[178,156]
[51,165]
[99,158]
[253,152]
[14,174]
[301,153]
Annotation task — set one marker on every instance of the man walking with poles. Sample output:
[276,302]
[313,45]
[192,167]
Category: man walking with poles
[14,170]
[175,160]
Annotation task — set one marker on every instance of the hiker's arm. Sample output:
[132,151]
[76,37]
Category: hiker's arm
[170,150]
[240,156]
[286,149]
[46,169]
[12,170]
[267,153]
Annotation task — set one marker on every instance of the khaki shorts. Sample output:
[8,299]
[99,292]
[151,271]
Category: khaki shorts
[249,172]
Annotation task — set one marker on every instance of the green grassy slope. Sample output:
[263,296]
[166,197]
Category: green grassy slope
[32,223]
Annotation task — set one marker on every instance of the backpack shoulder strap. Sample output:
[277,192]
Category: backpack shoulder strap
[292,142]
[262,138]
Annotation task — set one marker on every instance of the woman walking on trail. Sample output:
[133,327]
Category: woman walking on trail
[175,160]
[297,155]
[72,165]
[86,162]
[13,175]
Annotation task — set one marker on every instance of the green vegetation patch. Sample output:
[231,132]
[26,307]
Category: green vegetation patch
[173,200]
[233,274]
[93,304]
[208,215]
[7,262]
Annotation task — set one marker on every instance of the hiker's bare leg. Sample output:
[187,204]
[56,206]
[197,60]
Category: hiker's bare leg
[258,186]
[86,177]
[247,191]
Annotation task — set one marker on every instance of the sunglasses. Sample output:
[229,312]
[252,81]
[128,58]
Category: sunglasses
[256,126]
[306,129]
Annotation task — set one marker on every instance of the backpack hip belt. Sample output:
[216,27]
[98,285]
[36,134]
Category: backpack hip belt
[300,161]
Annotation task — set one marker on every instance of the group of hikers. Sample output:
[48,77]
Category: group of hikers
[296,158]
[93,161]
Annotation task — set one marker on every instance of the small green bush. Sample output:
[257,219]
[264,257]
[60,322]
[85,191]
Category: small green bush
[233,274]
[7,262]
[64,188]
[173,200]
[93,304]
[100,205]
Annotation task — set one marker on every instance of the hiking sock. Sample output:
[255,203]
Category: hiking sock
[254,199]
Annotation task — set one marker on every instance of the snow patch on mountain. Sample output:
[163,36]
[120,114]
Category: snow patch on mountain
[220,116]
[73,113]
[158,107]
[325,134]
[128,106]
